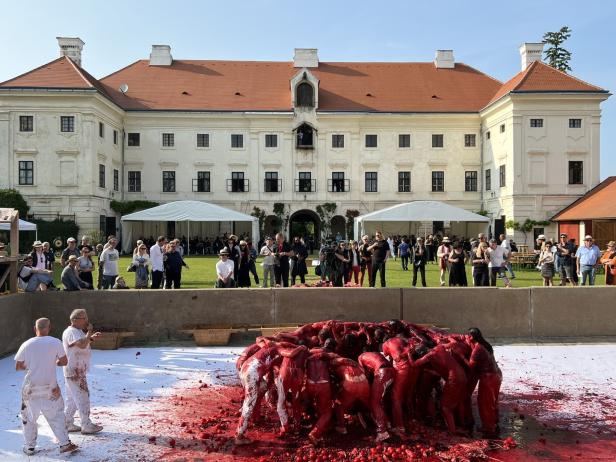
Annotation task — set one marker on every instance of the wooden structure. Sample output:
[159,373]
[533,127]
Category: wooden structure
[11,261]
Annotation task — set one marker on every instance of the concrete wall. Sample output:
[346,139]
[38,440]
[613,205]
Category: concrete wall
[524,314]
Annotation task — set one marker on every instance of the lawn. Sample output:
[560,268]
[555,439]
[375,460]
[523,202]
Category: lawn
[202,274]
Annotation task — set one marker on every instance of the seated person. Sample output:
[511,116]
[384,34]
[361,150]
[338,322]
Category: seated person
[224,270]
[70,277]
[120,283]
[31,279]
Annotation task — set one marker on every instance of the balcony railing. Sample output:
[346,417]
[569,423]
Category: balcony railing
[237,185]
[304,185]
[338,185]
[200,185]
[272,185]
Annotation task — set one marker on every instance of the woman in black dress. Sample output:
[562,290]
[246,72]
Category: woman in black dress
[457,270]
[243,270]
[299,261]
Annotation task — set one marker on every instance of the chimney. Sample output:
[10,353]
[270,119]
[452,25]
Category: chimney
[530,52]
[444,59]
[306,57]
[71,47]
[161,55]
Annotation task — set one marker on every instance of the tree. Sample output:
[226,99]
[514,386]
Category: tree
[283,214]
[326,212]
[350,216]
[260,214]
[12,199]
[555,55]
[526,226]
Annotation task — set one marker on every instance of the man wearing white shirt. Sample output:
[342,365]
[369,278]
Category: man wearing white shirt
[224,271]
[156,260]
[109,259]
[498,262]
[77,346]
[40,393]
[507,246]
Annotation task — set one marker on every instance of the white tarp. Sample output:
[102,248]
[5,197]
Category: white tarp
[23,226]
[406,219]
[185,211]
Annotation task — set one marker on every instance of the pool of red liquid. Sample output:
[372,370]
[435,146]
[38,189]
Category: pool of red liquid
[198,424]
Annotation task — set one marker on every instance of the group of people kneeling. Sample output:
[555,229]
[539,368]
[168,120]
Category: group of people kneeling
[395,371]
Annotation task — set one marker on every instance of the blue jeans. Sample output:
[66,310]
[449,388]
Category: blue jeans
[588,271]
[38,279]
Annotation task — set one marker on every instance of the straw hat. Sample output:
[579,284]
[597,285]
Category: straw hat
[232,236]
[611,244]
[37,244]
[72,258]
[224,251]
[446,240]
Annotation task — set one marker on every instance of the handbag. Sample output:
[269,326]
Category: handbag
[317,270]
[131,268]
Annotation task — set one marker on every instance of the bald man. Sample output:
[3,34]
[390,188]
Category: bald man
[40,393]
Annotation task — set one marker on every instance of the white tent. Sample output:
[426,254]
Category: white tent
[416,218]
[185,211]
[23,226]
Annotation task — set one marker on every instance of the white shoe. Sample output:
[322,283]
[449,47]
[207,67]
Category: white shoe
[71,427]
[90,429]
[29,451]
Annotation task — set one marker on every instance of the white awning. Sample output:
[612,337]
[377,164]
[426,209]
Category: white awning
[23,226]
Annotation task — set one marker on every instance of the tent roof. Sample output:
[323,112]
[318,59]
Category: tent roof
[423,211]
[23,226]
[188,211]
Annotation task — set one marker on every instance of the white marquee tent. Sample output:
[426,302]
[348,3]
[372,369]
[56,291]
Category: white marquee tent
[416,218]
[23,226]
[184,211]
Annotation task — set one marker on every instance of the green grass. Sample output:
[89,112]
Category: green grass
[202,274]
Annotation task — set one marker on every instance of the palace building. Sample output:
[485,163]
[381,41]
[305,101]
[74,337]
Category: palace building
[245,134]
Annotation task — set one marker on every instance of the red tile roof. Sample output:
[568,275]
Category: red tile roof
[598,203]
[264,86]
[539,77]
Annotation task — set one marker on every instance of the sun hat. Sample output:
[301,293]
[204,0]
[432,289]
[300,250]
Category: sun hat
[232,236]
[37,244]
[446,239]
[611,244]
[71,239]
[541,237]
[588,237]
[72,258]
[224,251]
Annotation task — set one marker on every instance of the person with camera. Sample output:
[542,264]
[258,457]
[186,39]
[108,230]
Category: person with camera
[282,253]
[419,261]
[339,271]
[300,253]
[381,252]
[366,260]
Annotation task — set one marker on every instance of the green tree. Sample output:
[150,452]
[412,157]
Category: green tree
[326,212]
[12,199]
[350,217]
[283,214]
[260,214]
[525,227]
[555,55]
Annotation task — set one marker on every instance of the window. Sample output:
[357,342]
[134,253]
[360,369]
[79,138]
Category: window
[134,139]
[168,140]
[502,128]
[337,182]
[488,179]
[101,130]
[501,176]
[115,137]
[404,181]
[271,141]
[371,181]
[576,172]
[575,123]
[101,176]
[487,135]
[271,182]
[404,140]
[26,172]
[168,181]
[237,182]
[26,123]
[470,181]
[536,123]
[438,181]
[371,141]
[67,123]
[203,140]
[304,183]
[469,141]
[337,141]
[304,95]
[134,181]
[305,138]
[203,182]
[237,141]
[437,141]
[116,179]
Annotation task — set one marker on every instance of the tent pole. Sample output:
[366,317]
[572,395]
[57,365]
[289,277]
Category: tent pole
[188,241]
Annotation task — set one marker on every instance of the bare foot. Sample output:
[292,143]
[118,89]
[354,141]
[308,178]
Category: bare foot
[242,440]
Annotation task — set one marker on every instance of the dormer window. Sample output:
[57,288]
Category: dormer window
[305,95]
[305,137]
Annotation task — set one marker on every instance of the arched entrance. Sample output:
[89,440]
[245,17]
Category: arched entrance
[339,227]
[305,223]
[270,226]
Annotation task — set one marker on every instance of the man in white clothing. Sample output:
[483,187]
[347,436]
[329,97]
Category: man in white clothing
[507,246]
[498,263]
[156,259]
[224,270]
[269,261]
[77,347]
[109,258]
[40,393]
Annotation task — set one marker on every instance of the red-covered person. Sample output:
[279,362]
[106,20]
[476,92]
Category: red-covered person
[318,390]
[442,361]
[247,353]
[461,350]
[382,373]
[289,383]
[483,364]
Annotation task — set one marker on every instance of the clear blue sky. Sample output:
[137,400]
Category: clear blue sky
[485,35]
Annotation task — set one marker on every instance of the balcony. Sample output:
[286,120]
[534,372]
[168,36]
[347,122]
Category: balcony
[305,185]
[238,185]
[201,185]
[338,185]
[271,185]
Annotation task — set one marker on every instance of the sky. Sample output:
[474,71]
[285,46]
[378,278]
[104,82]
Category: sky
[485,35]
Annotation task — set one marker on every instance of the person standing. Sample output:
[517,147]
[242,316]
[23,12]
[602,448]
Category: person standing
[566,250]
[546,262]
[158,265]
[40,392]
[300,253]
[366,260]
[141,263]
[85,266]
[39,257]
[429,246]
[403,253]
[338,266]
[380,253]
[480,261]
[267,252]
[419,261]
[608,259]
[507,246]
[457,270]
[442,254]
[77,346]
[173,267]
[243,270]
[234,253]
[498,262]
[71,249]
[252,264]
[587,257]
[109,259]
[281,268]
[354,261]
